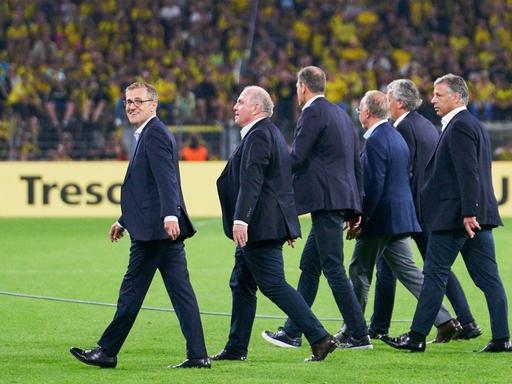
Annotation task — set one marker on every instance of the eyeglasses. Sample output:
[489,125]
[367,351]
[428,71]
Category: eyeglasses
[136,102]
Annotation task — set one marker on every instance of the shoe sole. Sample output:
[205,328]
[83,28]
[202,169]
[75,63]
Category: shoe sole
[276,342]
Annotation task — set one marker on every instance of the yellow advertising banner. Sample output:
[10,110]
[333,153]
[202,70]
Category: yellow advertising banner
[92,189]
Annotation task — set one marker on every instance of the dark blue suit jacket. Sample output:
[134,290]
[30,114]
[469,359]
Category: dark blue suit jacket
[421,137]
[151,189]
[458,180]
[256,186]
[388,208]
[325,160]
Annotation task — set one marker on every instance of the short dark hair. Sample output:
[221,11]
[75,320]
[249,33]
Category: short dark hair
[313,78]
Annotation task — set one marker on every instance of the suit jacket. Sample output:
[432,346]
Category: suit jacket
[458,181]
[388,207]
[256,186]
[151,189]
[421,137]
[325,160]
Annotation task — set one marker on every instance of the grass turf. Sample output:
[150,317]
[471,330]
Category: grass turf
[70,258]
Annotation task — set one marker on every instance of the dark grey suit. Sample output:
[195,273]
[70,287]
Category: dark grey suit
[151,191]
[327,180]
[256,187]
[458,184]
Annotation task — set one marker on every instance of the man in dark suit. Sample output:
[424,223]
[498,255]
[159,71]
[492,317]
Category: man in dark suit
[326,181]
[421,137]
[154,214]
[389,216]
[259,214]
[460,210]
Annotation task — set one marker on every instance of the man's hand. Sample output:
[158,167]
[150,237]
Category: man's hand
[353,227]
[172,228]
[240,235]
[116,232]
[471,225]
[291,242]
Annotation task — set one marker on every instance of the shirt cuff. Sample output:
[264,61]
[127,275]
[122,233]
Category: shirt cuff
[240,222]
[170,218]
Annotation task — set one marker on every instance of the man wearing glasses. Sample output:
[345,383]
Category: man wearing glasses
[153,212]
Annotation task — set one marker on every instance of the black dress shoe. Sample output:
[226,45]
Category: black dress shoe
[95,356]
[497,346]
[404,342]
[322,349]
[225,355]
[447,330]
[194,363]
[469,331]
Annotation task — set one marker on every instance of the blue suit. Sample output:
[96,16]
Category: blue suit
[421,137]
[327,182]
[389,216]
[256,187]
[151,191]
[458,184]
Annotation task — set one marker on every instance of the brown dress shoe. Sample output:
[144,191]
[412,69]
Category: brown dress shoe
[323,348]
[447,330]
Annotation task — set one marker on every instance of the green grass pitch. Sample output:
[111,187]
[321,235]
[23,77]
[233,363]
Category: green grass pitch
[73,259]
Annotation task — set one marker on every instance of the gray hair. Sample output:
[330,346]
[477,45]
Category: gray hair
[406,91]
[152,94]
[261,97]
[313,78]
[456,84]
[377,104]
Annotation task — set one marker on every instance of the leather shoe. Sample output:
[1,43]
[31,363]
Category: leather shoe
[404,342]
[225,355]
[96,356]
[497,346]
[469,331]
[322,349]
[447,330]
[194,363]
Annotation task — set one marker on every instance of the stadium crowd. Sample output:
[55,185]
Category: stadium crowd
[63,64]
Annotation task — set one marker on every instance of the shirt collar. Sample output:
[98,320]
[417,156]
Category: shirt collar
[310,101]
[139,130]
[399,120]
[246,129]
[370,130]
[450,115]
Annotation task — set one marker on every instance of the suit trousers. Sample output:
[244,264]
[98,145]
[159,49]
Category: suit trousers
[145,258]
[260,265]
[479,256]
[385,288]
[396,250]
[323,252]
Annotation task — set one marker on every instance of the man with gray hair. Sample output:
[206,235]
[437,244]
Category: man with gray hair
[259,215]
[421,137]
[389,216]
[460,210]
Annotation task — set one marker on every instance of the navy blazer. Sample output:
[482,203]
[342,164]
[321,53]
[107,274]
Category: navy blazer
[151,189]
[388,208]
[325,160]
[256,186]
[421,137]
[458,180]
